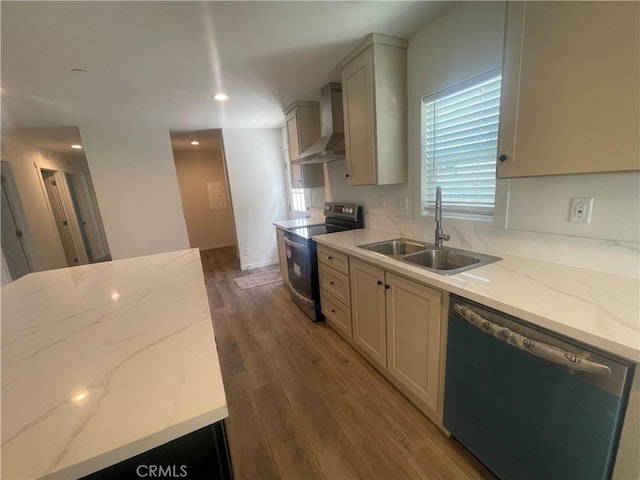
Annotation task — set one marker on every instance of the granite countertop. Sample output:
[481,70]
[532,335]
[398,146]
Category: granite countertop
[599,309]
[102,362]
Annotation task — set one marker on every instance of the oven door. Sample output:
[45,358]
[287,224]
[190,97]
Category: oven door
[299,269]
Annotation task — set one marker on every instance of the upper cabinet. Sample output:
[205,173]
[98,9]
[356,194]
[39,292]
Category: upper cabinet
[302,120]
[374,92]
[571,88]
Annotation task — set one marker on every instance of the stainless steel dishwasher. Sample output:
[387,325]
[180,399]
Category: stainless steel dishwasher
[528,403]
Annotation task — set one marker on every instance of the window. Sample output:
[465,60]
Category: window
[298,203]
[459,144]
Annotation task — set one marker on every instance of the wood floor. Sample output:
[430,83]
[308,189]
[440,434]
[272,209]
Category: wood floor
[303,404]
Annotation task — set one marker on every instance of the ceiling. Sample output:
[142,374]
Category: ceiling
[158,63]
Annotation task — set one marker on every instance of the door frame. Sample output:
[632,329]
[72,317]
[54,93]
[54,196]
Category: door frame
[97,241]
[68,214]
[20,218]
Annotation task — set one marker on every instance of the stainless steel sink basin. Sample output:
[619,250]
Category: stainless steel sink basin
[445,261]
[442,259]
[395,247]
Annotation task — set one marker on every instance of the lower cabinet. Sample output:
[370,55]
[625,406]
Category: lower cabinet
[335,298]
[398,324]
[414,338]
[368,310]
[282,255]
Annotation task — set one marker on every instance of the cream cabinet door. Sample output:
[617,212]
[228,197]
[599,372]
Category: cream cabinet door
[357,107]
[282,255]
[303,129]
[368,310]
[414,338]
[570,90]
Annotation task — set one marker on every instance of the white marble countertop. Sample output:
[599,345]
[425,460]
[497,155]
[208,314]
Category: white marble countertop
[298,223]
[599,309]
[103,362]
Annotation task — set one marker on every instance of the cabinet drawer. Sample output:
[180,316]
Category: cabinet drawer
[336,284]
[336,314]
[336,260]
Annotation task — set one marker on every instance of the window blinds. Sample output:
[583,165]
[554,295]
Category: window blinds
[459,144]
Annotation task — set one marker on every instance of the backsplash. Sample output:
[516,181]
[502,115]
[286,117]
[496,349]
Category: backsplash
[606,256]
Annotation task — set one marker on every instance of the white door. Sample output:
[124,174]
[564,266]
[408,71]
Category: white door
[65,219]
[87,218]
[12,238]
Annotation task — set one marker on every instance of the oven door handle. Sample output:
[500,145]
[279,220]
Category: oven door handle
[545,351]
[298,245]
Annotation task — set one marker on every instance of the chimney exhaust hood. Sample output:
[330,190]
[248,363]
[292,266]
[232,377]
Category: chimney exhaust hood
[331,146]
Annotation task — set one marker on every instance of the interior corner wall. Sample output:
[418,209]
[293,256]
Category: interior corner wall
[135,181]
[256,178]
[208,226]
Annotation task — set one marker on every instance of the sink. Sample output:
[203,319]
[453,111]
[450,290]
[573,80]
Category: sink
[445,261]
[437,259]
[398,246]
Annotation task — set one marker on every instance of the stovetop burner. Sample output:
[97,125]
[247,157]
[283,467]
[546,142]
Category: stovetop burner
[309,231]
[338,217]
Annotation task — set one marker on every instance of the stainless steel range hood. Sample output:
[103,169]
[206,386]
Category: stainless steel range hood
[331,146]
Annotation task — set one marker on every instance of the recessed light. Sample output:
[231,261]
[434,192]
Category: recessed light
[221,97]
[78,70]
[195,142]
[75,146]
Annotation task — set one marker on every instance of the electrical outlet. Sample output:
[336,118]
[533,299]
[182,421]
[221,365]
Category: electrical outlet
[245,251]
[581,210]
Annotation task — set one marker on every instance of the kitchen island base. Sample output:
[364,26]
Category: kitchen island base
[201,454]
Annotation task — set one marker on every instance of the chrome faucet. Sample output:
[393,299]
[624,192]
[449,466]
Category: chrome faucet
[439,235]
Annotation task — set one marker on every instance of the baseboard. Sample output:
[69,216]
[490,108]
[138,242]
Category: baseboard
[211,247]
[267,263]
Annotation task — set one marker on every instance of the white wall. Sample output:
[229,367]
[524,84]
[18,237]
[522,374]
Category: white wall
[256,178]
[135,182]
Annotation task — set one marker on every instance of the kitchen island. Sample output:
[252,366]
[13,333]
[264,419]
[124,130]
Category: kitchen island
[105,362]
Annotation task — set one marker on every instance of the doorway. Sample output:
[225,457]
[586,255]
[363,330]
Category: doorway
[204,188]
[93,238]
[65,219]
[14,244]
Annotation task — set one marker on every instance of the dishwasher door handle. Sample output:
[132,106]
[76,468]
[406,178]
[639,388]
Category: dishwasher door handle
[542,350]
